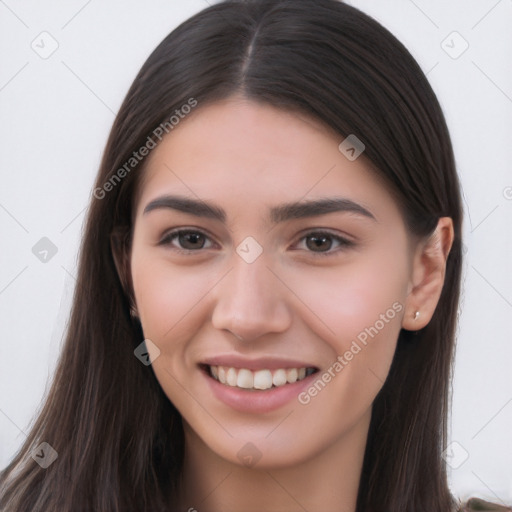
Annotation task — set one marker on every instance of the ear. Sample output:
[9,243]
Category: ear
[427,278]
[120,248]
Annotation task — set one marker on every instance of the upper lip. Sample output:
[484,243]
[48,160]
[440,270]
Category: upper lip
[260,363]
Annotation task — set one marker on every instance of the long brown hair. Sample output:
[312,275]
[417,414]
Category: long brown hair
[118,437]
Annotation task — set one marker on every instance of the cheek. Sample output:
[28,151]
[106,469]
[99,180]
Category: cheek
[172,305]
[165,293]
[367,290]
[363,311]
[359,308]
[169,303]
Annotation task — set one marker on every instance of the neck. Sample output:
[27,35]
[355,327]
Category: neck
[329,480]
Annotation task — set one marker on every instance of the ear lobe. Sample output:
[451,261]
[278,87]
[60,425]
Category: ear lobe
[429,269]
[120,248]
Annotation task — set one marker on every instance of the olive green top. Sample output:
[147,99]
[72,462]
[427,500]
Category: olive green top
[475,504]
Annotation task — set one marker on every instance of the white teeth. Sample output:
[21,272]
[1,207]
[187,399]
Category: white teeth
[291,375]
[260,379]
[245,379]
[231,377]
[279,378]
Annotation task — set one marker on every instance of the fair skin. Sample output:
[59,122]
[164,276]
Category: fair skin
[298,301]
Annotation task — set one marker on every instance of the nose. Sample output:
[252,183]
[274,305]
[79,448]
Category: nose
[251,301]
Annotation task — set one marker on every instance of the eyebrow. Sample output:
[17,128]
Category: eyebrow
[277,214]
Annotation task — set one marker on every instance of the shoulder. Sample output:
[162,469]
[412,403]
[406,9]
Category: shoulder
[476,504]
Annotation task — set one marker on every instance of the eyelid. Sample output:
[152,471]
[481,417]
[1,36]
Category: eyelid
[166,238]
[343,241]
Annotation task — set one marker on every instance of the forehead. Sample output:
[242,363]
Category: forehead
[243,152]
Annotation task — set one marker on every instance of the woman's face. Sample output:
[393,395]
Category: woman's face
[258,289]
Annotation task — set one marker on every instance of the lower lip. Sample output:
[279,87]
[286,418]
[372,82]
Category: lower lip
[256,401]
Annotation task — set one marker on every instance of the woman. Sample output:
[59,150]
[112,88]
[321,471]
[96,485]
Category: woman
[274,374]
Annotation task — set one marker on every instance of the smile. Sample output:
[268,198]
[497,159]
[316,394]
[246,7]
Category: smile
[244,378]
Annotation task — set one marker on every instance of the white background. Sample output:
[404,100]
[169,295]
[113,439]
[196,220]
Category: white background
[56,114]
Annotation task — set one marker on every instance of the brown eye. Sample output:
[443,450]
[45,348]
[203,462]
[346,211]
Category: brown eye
[188,240]
[320,243]
[191,240]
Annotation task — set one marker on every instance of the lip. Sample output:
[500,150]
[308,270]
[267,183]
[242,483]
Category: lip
[262,363]
[256,401]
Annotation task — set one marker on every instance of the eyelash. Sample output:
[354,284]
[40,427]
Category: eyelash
[344,243]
